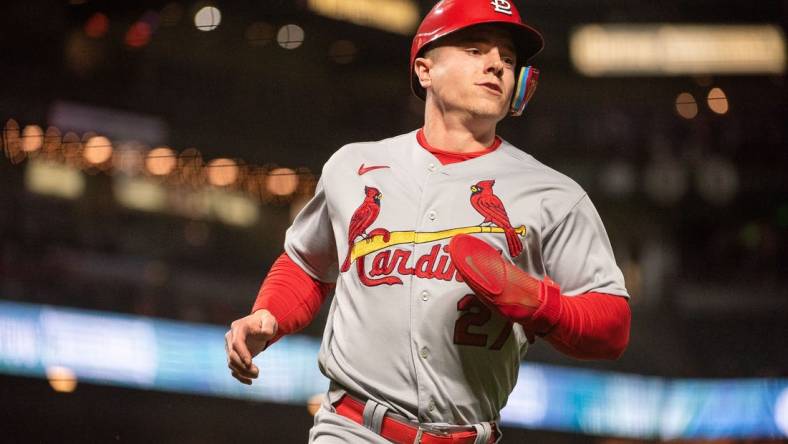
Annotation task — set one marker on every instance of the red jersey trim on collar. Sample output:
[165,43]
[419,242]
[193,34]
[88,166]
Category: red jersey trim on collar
[447,157]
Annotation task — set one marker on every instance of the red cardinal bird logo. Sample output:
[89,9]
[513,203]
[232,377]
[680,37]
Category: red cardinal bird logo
[491,207]
[362,218]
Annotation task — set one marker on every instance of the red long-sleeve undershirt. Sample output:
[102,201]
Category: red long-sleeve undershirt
[588,326]
[291,295]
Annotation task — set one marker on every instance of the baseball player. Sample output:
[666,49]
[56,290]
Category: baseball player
[439,244]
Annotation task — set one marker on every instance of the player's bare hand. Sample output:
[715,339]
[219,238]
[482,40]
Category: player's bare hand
[246,338]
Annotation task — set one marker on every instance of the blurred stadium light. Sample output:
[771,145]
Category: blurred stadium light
[150,354]
[62,379]
[290,36]
[140,194]
[399,16]
[677,49]
[224,189]
[144,194]
[97,150]
[54,179]
[32,138]
[208,18]
[160,161]
[717,101]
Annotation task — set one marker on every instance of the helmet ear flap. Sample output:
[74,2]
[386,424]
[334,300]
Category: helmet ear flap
[527,79]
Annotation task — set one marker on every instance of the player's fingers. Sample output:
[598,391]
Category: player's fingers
[228,339]
[243,371]
[232,355]
[242,379]
[233,358]
[239,347]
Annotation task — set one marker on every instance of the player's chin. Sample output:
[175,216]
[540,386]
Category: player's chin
[492,106]
[490,111]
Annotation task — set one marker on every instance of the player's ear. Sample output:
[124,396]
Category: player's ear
[422,67]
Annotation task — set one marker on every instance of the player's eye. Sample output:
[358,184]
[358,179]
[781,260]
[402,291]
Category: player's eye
[473,51]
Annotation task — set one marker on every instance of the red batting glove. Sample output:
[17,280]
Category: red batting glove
[504,288]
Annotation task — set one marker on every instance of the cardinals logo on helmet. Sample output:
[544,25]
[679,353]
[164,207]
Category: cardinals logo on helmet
[502,6]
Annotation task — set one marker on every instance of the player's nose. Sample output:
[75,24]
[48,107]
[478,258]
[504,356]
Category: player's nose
[495,62]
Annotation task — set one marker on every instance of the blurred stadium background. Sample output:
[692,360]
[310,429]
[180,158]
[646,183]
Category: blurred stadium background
[155,152]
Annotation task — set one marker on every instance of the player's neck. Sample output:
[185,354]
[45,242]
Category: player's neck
[457,134]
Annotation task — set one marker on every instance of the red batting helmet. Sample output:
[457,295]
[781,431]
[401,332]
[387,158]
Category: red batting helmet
[449,16]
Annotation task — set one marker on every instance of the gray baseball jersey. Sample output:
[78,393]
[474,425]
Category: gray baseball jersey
[403,328]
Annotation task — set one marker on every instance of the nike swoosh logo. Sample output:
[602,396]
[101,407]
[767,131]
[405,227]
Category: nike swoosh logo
[363,170]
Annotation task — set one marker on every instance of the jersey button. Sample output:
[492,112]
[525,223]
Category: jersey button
[432,215]
[425,295]
[424,352]
[432,167]
[431,406]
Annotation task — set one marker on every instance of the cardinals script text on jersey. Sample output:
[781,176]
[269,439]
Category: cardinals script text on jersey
[436,264]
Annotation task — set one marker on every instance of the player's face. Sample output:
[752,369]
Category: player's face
[473,71]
